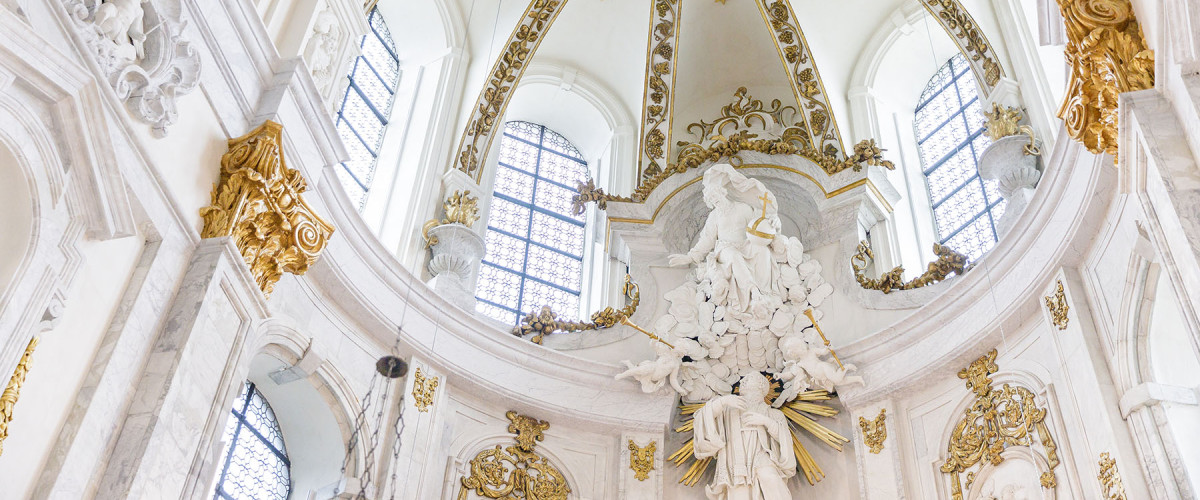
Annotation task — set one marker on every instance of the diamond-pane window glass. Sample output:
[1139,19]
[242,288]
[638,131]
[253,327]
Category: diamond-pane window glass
[254,462]
[949,127]
[534,243]
[363,115]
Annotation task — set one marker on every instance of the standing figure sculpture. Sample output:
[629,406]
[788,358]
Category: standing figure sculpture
[751,442]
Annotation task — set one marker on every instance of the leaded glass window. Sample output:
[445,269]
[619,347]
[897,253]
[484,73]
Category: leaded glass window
[950,139]
[534,243]
[363,116]
[254,462]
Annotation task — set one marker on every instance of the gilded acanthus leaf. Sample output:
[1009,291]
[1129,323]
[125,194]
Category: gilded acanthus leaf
[949,262]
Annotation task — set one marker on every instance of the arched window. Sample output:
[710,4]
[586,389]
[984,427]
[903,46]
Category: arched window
[363,115]
[949,128]
[255,464]
[534,243]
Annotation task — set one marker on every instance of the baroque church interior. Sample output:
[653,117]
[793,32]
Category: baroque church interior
[593,249]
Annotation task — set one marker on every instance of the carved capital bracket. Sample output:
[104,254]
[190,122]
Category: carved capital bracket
[996,419]
[502,79]
[12,391]
[658,97]
[961,27]
[1107,56]
[816,116]
[257,201]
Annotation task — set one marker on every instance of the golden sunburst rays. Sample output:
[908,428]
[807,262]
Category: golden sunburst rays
[801,412]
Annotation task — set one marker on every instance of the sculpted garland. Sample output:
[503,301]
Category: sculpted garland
[741,348]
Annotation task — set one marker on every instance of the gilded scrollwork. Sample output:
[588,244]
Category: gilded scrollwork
[1058,307]
[423,390]
[1111,484]
[659,92]
[460,208]
[995,420]
[641,459]
[12,392]
[516,472]
[257,201]
[546,321]
[506,72]
[735,130]
[1107,56]
[959,24]
[874,432]
[948,263]
[817,117]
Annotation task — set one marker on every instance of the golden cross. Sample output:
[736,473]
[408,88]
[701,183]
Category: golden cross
[765,202]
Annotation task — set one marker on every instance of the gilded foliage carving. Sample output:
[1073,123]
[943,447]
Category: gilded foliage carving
[460,208]
[506,72]
[1111,484]
[959,24]
[1107,56]
[1004,122]
[423,390]
[12,391]
[997,419]
[659,97]
[257,201]
[874,432]
[820,129]
[641,459]
[546,321]
[735,130]
[948,263]
[1057,305]
[516,472]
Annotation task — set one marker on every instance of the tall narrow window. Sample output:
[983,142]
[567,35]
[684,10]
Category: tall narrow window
[363,116]
[534,244]
[950,138]
[255,464]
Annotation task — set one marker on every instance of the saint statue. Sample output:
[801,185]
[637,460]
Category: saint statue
[735,238]
[751,442]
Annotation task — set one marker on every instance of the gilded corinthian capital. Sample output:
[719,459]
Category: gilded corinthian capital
[1107,56]
[257,201]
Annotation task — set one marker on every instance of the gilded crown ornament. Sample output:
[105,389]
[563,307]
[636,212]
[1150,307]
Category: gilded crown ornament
[257,201]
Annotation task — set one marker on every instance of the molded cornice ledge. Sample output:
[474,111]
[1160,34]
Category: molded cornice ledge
[372,292]
[1003,289]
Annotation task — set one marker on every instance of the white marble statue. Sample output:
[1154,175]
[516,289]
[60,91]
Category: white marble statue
[120,21]
[751,442]
[738,262]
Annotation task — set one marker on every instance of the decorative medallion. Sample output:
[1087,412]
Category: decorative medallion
[874,432]
[641,460]
[997,419]
[1057,305]
[460,208]
[497,91]
[948,262]
[1107,56]
[257,201]
[961,27]
[518,471]
[658,98]
[820,129]
[1110,479]
[8,399]
[423,390]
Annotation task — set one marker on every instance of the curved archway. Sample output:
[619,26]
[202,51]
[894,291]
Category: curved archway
[17,222]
